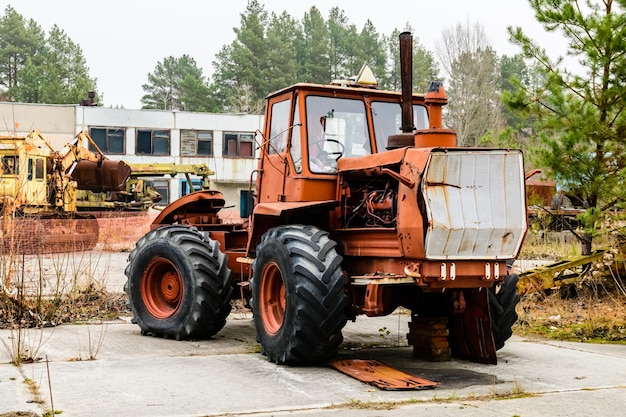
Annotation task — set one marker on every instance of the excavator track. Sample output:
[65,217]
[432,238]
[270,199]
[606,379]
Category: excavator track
[49,233]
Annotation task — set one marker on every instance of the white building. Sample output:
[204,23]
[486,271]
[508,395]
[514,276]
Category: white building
[224,142]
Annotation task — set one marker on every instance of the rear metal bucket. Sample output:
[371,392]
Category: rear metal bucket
[101,176]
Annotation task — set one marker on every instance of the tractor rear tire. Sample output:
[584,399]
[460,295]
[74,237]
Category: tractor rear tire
[298,298]
[502,309]
[179,284]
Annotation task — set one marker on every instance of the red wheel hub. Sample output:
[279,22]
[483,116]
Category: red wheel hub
[272,298]
[162,288]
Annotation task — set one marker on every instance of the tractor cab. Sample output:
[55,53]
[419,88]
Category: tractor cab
[311,127]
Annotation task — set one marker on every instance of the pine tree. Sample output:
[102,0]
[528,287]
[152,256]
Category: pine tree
[579,112]
[175,84]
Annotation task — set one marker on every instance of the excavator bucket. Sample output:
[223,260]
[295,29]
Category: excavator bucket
[101,176]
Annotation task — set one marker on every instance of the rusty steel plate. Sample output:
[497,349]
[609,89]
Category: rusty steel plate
[381,375]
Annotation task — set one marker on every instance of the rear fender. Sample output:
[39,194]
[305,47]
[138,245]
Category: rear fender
[268,215]
[200,207]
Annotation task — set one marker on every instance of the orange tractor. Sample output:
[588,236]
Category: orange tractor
[362,204]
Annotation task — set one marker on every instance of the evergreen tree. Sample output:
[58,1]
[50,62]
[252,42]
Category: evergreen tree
[196,95]
[19,41]
[316,60]
[425,67]
[224,79]
[342,45]
[282,64]
[67,77]
[172,81]
[39,68]
[579,115]
[239,68]
[516,78]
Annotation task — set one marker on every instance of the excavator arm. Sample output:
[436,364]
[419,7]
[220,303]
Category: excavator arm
[172,169]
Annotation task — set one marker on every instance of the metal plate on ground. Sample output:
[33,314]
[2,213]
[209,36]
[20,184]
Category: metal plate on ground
[381,375]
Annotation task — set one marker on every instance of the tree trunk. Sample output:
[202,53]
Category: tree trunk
[585,244]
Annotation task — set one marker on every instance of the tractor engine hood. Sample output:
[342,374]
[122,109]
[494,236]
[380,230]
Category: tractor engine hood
[475,204]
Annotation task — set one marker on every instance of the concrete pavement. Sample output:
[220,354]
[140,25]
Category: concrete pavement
[132,375]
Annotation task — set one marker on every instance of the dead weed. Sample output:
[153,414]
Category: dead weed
[81,307]
[573,315]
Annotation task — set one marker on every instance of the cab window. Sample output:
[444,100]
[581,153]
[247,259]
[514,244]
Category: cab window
[279,127]
[10,165]
[387,118]
[336,127]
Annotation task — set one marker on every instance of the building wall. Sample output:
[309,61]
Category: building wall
[55,122]
[60,123]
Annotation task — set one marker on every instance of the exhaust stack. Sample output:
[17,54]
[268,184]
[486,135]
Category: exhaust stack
[435,135]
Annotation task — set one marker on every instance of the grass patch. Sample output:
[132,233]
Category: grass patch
[40,289]
[514,393]
[591,310]
[77,308]
[582,318]
[549,246]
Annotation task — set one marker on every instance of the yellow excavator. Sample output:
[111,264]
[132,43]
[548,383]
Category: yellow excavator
[38,188]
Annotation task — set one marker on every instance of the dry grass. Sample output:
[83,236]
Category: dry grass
[81,307]
[592,310]
[584,317]
[41,290]
[549,246]
[48,289]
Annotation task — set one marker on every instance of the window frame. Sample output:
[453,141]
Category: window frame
[153,133]
[14,169]
[185,152]
[108,130]
[240,140]
[279,126]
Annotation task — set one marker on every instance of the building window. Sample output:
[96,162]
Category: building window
[239,144]
[185,189]
[153,142]
[196,143]
[110,140]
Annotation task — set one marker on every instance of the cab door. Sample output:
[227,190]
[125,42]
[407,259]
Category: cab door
[274,165]
[35,187]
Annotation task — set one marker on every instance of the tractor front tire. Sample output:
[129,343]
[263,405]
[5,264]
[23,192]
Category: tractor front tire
[179,284]
[298,298]
[502,306]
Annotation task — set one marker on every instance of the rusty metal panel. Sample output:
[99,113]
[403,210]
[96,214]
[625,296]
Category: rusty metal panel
[381,375]
[476,204]
[371,242]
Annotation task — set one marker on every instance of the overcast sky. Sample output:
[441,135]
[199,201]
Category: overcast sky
[123,41]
